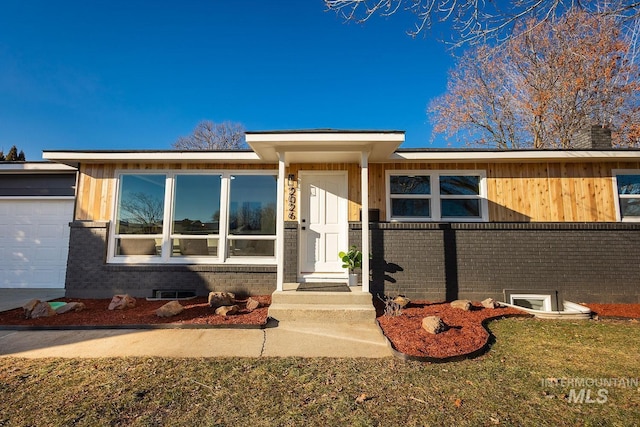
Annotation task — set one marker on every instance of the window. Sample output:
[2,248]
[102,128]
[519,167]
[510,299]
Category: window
[533,302]
[252,216]
[196,215]
[140,215]
[436,196]
[183,217]
[628,189]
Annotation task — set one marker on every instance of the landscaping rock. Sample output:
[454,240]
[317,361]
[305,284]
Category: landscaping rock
[171,308]
[252,304]
[402,301]
[434,325]
[28,307]
[490,303]
[463,304]
[43,309]
[226,310]
[219,299]
[120,302]
[70,306]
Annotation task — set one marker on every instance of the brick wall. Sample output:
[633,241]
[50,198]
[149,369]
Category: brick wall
[580,262]
[290,251]
[89,276]
[593,138]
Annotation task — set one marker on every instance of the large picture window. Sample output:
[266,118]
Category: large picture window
[183,217]
[436,196]
[628,189]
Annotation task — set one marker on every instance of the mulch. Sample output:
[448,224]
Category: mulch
[466,335]
[196,312]
[623,311]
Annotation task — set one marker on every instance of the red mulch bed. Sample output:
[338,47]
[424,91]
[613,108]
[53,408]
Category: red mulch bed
[96,313]
[630,311]
[465,335]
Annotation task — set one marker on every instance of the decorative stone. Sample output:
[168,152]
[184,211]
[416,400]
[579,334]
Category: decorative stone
[402,301]
[70,306]
[171,308]
[120,302]
[252,304]
[225,310]
[219,299]
[489,303]
[43,309]
[28,307]
[434,325]
[463,304]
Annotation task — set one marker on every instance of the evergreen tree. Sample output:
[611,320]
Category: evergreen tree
[2,156]
[21,157]
[12,155]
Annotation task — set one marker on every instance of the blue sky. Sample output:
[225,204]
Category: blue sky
[135,74]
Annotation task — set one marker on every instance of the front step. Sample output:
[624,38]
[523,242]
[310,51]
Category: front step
[328,307]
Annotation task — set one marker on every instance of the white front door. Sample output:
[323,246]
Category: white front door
[323,224]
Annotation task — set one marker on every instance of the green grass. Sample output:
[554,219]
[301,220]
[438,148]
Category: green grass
[504,387]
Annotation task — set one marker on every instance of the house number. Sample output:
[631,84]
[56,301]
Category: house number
[292,203]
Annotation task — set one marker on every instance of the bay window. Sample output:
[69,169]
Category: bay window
[436,196]
[188,217]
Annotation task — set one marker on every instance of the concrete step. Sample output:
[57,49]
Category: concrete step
[325,307]
[324,313]
[334,298]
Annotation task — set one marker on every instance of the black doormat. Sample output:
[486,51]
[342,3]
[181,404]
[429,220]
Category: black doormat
[323,287]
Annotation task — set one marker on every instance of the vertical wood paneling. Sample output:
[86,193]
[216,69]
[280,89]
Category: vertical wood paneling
[581,192]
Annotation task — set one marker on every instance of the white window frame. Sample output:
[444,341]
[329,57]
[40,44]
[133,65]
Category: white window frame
[436,197]
[546,299]
[167,235]
[615,173]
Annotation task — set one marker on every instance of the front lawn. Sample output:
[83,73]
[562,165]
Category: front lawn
[526,378]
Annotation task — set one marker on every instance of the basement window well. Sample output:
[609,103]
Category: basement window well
[532,301]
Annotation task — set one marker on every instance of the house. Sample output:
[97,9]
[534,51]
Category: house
[36,206]
[436,224]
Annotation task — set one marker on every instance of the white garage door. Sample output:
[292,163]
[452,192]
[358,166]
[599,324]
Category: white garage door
[34,242]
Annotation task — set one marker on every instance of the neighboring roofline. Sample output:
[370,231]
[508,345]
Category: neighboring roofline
[35,167]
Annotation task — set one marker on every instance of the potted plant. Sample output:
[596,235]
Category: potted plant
[351,259]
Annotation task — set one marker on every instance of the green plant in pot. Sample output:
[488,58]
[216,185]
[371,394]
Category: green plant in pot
[351,259]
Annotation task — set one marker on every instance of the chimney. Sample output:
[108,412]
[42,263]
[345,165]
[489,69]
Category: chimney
[594,137]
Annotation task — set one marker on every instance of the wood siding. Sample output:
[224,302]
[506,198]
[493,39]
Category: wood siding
[97,184]
[530,192]
[517,192]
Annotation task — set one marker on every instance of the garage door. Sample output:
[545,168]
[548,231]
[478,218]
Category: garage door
[34,242]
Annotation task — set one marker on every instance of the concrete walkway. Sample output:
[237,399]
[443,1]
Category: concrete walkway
[288,339]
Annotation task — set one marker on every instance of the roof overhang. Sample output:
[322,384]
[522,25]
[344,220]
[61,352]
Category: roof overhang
[74,158]
[325,146]
[511,156]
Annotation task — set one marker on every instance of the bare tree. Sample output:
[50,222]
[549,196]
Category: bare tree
[142,211]
[538,90]
[208,135]
[477,20]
